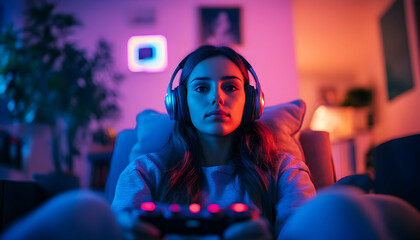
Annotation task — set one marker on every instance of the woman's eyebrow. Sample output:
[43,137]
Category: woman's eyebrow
[231,77]
[223,78]
[200,78]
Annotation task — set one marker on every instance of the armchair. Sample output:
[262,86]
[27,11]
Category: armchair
[153,131]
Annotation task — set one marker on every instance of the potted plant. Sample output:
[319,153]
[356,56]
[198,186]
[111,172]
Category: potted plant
[46,78]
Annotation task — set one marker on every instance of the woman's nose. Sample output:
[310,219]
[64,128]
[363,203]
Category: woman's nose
[218,98]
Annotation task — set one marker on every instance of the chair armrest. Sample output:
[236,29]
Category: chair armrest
[119,160]
[362,181]
[316,148]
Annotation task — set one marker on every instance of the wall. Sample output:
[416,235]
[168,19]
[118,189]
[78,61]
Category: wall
[336,46]
[267,33]
[268,44]
[400,116]
[339,43]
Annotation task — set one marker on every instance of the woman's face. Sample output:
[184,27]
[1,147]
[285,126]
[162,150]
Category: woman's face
[216,96]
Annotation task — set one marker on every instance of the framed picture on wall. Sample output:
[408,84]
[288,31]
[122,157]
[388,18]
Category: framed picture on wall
[220,26]
[399,75]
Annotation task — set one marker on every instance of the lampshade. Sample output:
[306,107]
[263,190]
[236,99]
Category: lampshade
[338,121]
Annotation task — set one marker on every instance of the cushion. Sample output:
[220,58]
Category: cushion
[285,120]
[363,181]
[153,131]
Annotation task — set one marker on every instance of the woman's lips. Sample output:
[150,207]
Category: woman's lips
[217,113]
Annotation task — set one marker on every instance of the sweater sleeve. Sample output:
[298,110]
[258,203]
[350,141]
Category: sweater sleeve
[294,188]
[138,183]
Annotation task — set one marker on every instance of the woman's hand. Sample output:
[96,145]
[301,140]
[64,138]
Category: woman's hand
[253,229]
[135,229]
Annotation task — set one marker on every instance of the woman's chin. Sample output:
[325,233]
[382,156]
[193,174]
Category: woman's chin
[219,132]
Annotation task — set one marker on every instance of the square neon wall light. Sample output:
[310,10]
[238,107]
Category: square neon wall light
[147,53]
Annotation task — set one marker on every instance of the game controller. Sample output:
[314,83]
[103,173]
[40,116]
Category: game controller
[193,219]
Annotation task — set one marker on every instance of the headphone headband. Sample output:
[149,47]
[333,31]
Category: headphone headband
[169,90]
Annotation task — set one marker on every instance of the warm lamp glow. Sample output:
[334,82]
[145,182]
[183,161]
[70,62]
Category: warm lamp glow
[338,121]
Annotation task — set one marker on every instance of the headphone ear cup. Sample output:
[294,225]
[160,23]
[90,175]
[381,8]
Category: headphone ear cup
[249,109]
[259,109]
[170,104]
[182,113]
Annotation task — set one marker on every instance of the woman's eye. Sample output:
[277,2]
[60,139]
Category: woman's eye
[200,89]
[231,88]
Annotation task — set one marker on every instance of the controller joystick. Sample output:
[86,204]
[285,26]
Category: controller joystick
[193,219]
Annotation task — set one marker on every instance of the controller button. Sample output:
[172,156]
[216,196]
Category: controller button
[175,208]
[239,207]
[194,208]
[148,206]
[213,208]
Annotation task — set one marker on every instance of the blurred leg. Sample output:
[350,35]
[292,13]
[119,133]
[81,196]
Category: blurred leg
[73,215]
[348,213]
[400,219]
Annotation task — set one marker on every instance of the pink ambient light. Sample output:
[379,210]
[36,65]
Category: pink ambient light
[147,53]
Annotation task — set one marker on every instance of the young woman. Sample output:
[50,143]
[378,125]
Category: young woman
[218,153]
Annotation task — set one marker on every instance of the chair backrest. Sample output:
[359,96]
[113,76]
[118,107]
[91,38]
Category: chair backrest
[123,145]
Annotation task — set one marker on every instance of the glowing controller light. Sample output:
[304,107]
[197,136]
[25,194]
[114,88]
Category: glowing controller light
[147,53]
[175,208]
[239,207]
[194,208]
[148,206]
[213,208]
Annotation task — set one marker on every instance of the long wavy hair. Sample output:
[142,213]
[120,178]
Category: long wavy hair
[254,147]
